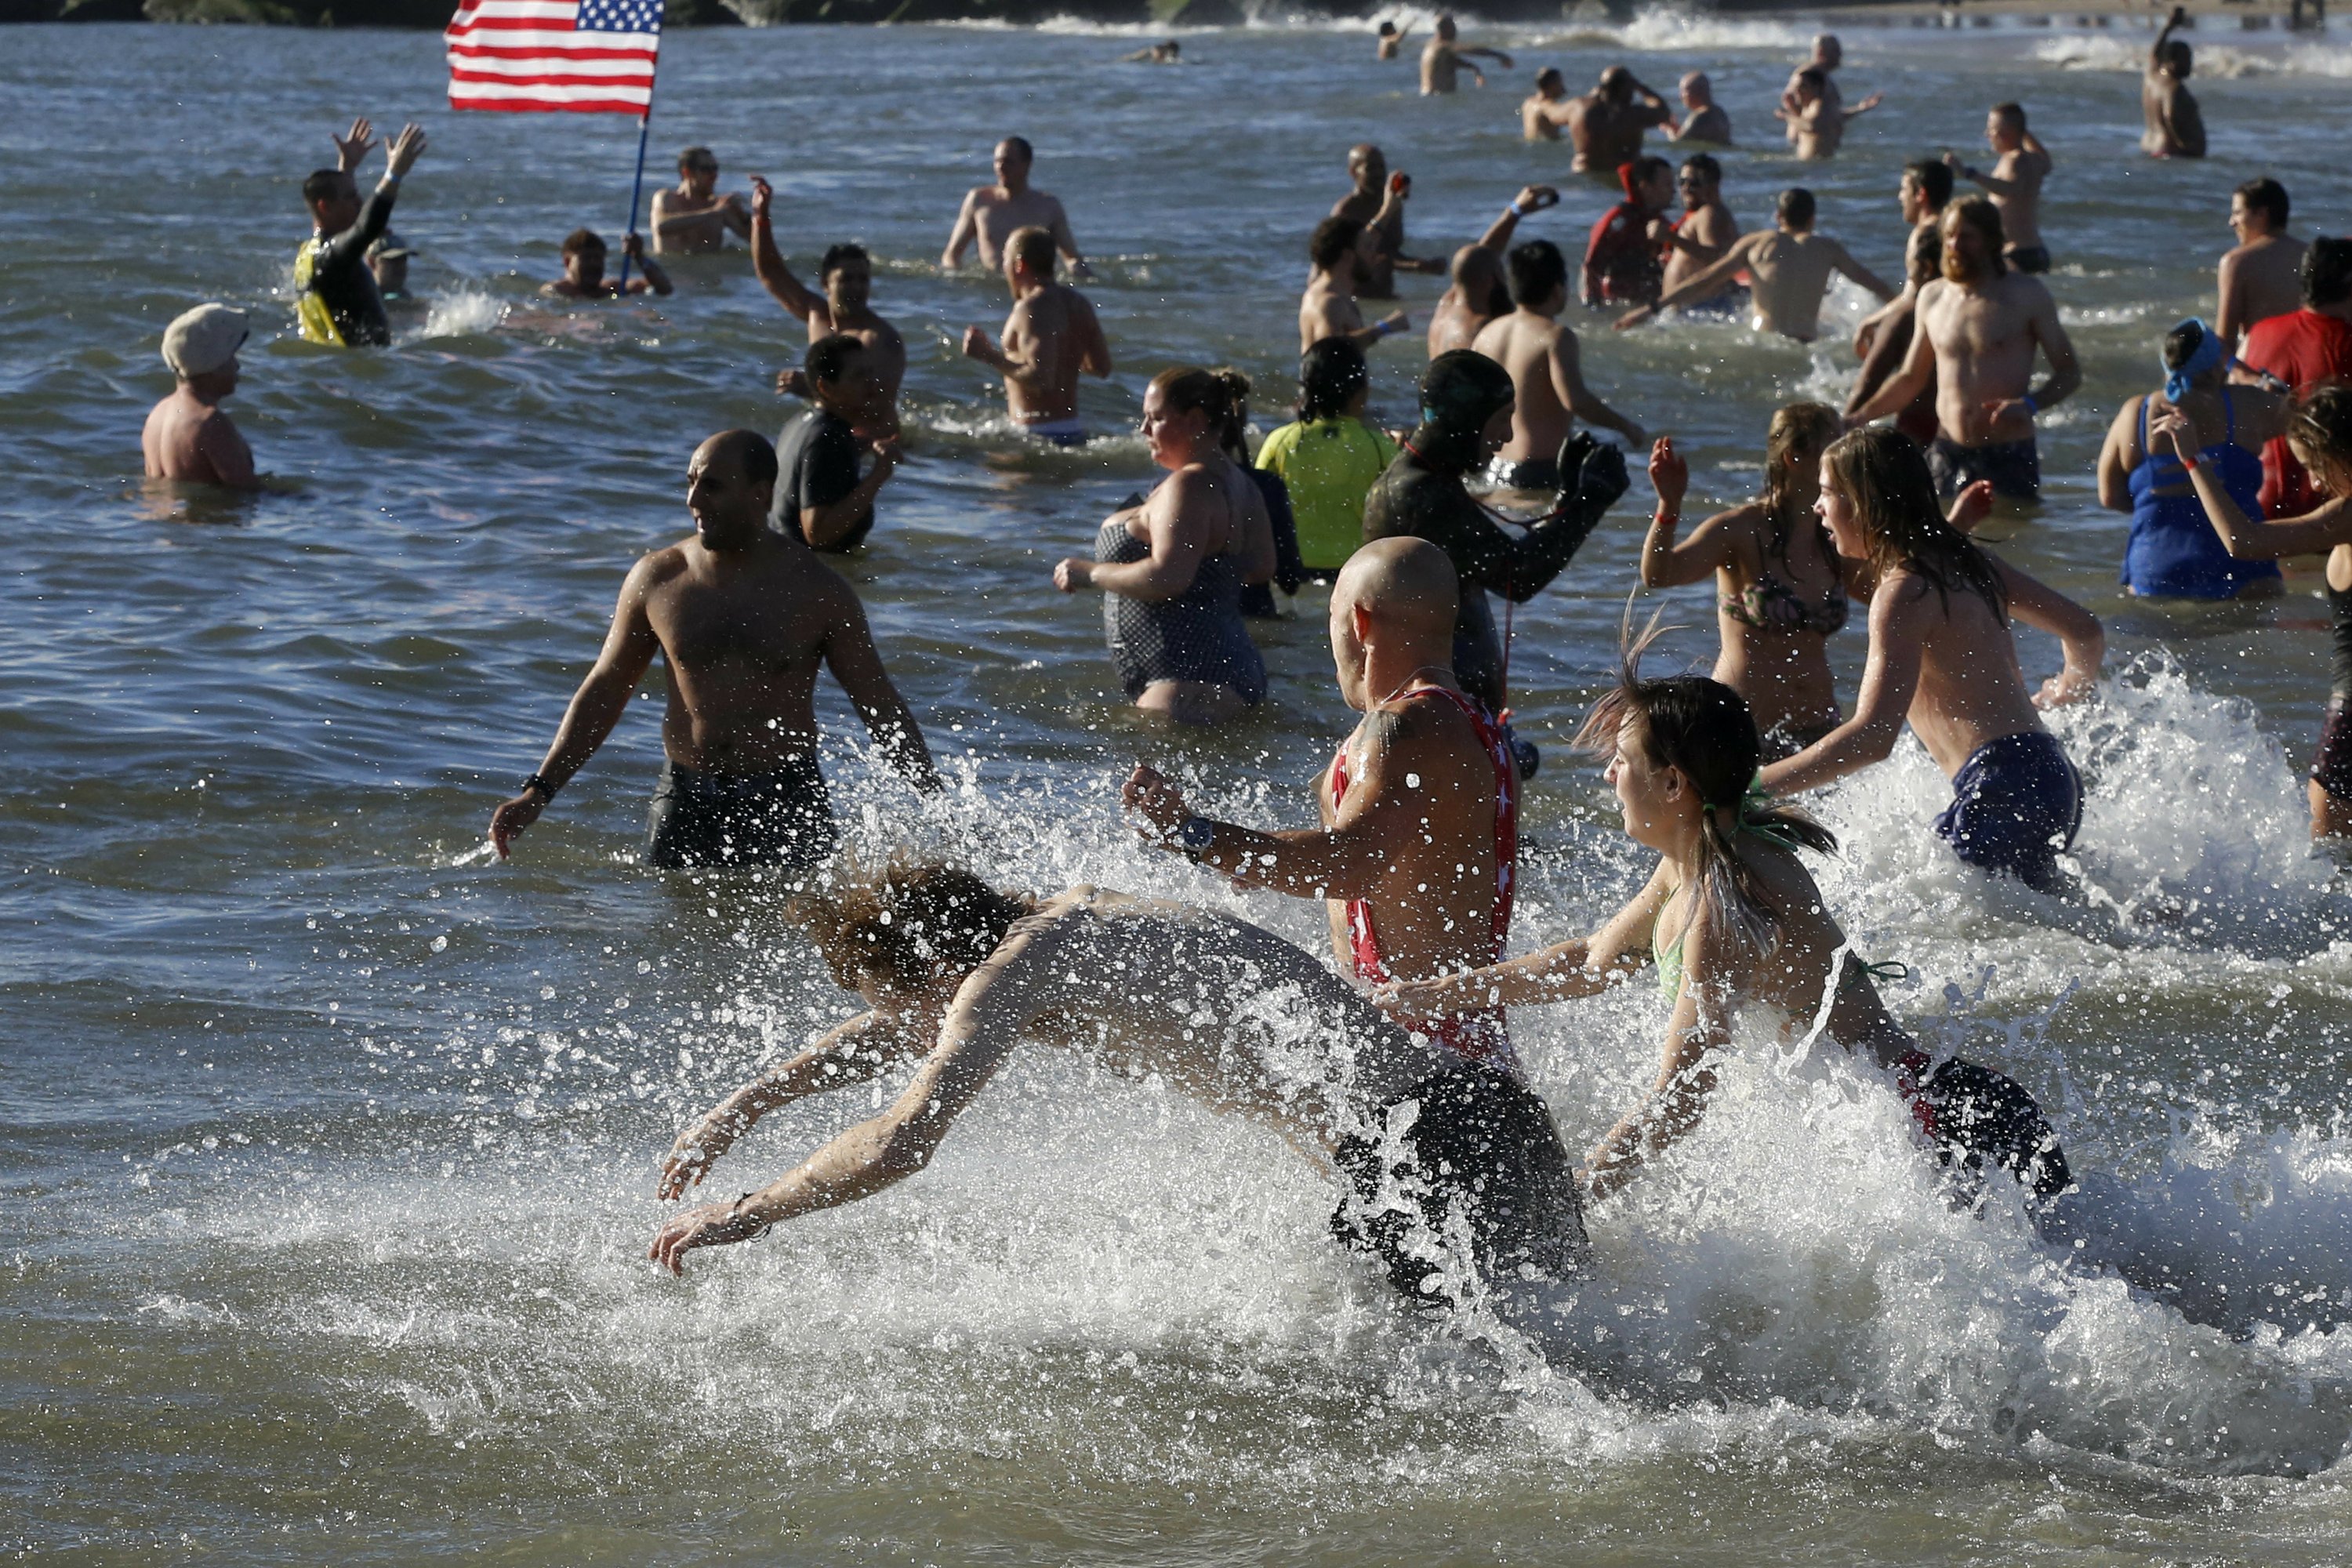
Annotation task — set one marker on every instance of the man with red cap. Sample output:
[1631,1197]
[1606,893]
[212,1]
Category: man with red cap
[1624,262]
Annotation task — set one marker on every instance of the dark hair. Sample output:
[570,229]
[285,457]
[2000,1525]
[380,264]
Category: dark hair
[2012,112]
[1979,213]
[1021,144]
[1032,248]
[1934,180]
[2179,59]
[1923,254]
[1796,427]
[1704,730]
[323,185]
[2326,271]
[1705,165]
[2320,431]
[828,357]
[1387,28]
[693,157]
[1330,373]
[2266,195]
[1796,207]
[1220,395]
[1644,169]
[908,925]
[2181,342]
[1551,74]
[1617,83]
[1814,77]
[839,254]
[1883,475]
[1332,238]
[1233,432]
[1537,270]
[581,239]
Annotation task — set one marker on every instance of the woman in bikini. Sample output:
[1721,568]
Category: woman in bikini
[1171,570]
[1733,921]
[1781,592]
[2320,435]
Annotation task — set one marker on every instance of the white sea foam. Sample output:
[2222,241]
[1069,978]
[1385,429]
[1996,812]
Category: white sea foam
[462,313]
[2103,51]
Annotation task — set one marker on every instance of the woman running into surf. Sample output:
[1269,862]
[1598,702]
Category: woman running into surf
[1733,921]
[2320,435]
[1942,657]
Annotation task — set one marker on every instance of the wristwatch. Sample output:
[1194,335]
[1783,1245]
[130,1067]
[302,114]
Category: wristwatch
[538,783]
[1195,835]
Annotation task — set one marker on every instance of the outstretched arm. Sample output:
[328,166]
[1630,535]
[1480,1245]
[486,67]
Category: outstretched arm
[1530,199]
[2156,60]
[1704,284]
[1842,260]
[629,649]
[1582,966]
[852,1052]
[1568,381]
[999,1001]
[768,261]
[1898,391]
[1898,617]
[850,654]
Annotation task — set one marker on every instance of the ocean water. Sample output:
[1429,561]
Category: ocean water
[330,1144]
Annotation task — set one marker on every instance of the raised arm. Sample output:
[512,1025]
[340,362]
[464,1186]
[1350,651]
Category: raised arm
[632,246]
[768,261]
[850,654]
[2250,539]
[629,651]
[1521,566]
[1899,613]
[2081,638]
[1530,199]
[849,1053]
[2164,36]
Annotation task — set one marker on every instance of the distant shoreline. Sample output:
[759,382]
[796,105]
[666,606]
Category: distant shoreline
[2234,15]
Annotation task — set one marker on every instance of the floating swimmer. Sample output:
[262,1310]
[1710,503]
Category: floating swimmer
[1733,921]
[958,973]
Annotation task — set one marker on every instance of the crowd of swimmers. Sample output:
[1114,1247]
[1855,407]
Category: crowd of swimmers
[1406,1079]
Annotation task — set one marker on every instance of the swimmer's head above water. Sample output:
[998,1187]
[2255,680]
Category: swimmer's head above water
[1878,500]
[1393,606]
[730,485]
[1466,401]
[909,928]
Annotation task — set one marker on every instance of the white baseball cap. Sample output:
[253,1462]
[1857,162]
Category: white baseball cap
[203,340]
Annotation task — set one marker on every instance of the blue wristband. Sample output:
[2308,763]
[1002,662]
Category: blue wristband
[2030,406]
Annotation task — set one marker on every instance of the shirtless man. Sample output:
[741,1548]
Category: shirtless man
[847,273]
[1706,232]
[2175,127]
[1480,291]
[1418,852]
[991,213]
[1050,337]
[1978,329]
[1441,58]
[1377,201]
[1607,124]
[1390,39]
[742,615]
[1827,56]
[2014,185]
[1328,307]
[1790,267]
[2263,276]
[1703,121]
[957,973]
[1545,112]
[1546,379]
[583,270]
[187,436]
[691,218]
[1817,121]
[1883,341]
[1466,410]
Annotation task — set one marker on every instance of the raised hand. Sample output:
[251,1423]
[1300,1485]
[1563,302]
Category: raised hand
[406,147]
[349,150]
[1534,198]
[762,194]
[1971,506]
[1669,475]
[632,246]
[2180,430]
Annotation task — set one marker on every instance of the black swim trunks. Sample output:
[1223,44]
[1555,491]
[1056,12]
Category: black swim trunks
[703,819]
[2013,467]
[2030,258]
[1526,474]
[1482,1149]
[2331,767]
[1979,1119]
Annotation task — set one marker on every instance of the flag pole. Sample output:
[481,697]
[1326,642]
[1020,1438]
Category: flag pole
[638,189]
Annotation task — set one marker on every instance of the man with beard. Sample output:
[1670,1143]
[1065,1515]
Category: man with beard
[1978,327]
[1480,292]
[1704,235]
[847,273]
[1466,407]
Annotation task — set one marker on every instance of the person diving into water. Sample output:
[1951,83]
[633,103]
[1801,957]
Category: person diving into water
[956,973]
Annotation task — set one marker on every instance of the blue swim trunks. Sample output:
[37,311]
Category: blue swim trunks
[2016,804]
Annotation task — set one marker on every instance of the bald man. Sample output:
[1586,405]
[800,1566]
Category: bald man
[742,615]
[1480,291]
[1419,846]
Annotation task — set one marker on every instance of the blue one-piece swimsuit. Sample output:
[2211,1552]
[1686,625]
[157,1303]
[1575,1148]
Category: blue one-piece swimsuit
[2174,553]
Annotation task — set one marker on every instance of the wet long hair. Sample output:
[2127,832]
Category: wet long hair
[1796,427]
[1883,474]
[1330,373]
[2320,434]
[907,924]
[1222,396]
[1704,730]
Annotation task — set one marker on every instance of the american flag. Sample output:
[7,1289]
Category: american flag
[589,57]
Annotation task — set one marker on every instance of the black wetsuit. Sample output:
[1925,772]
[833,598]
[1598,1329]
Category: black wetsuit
[345,284]
[1289,569]
[1415,498]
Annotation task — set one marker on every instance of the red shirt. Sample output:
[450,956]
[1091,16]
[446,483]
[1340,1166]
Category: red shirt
[2302,349]
[1623,266]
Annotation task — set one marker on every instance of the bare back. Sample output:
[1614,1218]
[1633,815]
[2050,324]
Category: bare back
[196,442]
[1607,134]
[1325,311]
[1531,347]
[1052,330]
[2259,279]
[1970,690]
